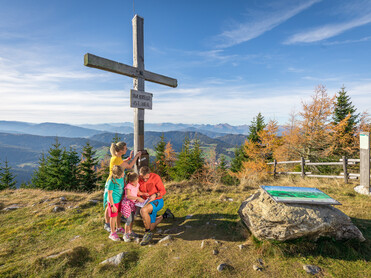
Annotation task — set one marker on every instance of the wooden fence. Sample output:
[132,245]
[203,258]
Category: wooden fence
[344,162]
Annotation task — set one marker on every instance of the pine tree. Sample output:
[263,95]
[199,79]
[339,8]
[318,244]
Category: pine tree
[116,138]
[196,157]
[54,168]
[256,126]
[343,107]
[238,159]
[6,177]
[88,176]
[70,167]
[40,176]
[181,168]
[160,164]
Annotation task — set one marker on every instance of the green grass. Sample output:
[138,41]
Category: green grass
[30,234]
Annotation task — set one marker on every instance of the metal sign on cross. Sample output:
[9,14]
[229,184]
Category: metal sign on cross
[139,75]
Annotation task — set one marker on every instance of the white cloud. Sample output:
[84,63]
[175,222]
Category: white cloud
[327,31]
[252,29]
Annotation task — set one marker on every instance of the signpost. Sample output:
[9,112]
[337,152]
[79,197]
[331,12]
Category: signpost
[364,145]
[139,99]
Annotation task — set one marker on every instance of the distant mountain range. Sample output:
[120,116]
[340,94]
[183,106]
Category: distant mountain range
[22,143]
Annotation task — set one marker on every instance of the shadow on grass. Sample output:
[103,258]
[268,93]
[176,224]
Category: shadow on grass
[217,226]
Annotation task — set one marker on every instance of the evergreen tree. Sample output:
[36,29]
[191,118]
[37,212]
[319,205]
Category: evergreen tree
[343,107]
[225,177]
[88,176]
[239,157]
[40,176]
[54,168]
[6,177]
[257,125]
[160,164]
[181,168]
[116,138]
[70,168]
[196,157]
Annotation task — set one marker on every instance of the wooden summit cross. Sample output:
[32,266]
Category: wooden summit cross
[139,75]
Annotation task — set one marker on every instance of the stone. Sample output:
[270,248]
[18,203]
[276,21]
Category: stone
[362,190]
[63,199]
[58,209]
[215,252]
[115,260]
[176,258]
[260,261]
[230,199]
[137,240]
[12,207]
[189,216]
[241,246]
[159,231]
[224,266]
[257,268]
[93,201]
[188,226]
[59,254]
[168,237]
[267,219]
[202,244]
[76,237]
[311,269]
[217,242]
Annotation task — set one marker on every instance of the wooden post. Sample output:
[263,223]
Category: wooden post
[138,83]
[302,167]
[345,169]
[275,168]
[364,145]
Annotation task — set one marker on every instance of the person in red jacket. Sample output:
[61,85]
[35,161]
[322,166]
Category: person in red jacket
[151,183]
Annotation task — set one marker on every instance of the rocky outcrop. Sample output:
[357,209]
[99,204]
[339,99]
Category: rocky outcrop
[267,219]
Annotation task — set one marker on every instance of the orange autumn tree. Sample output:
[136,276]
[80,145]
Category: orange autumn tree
[315,125]
[343,142]
[259,154]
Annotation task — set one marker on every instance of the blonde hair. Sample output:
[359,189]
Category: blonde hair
[131,176]
[117,172]
[116,147]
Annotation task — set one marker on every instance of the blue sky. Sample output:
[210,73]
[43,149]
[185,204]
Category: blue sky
[232,59]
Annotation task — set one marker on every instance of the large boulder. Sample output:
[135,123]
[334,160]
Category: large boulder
[267,219]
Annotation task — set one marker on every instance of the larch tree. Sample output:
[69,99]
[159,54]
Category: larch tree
[315,125]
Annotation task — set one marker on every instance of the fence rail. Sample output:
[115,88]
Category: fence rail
[342,162]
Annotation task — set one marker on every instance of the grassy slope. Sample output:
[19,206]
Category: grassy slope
[28,235]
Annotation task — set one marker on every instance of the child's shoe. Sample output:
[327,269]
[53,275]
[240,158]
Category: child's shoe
[126,238]
[120,231]
[107,227]
[114,237]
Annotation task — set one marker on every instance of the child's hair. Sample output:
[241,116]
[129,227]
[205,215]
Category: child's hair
[131,176]
[117,172]
[144,171]
[116,147]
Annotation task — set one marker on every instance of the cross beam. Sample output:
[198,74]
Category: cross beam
[97,62]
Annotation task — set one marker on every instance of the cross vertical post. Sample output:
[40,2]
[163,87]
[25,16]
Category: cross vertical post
[138,82]
[365,160]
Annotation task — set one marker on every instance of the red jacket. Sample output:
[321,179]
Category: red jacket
[152,186]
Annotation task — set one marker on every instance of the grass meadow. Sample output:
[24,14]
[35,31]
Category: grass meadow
[205,214]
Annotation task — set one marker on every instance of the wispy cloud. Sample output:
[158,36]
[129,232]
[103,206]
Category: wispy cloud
[327,31]
[259,25]
[365,39]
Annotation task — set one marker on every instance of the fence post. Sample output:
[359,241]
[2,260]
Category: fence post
[302,167]
[275,168]
[345,169]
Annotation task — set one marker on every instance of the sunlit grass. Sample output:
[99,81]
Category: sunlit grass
[33,232]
